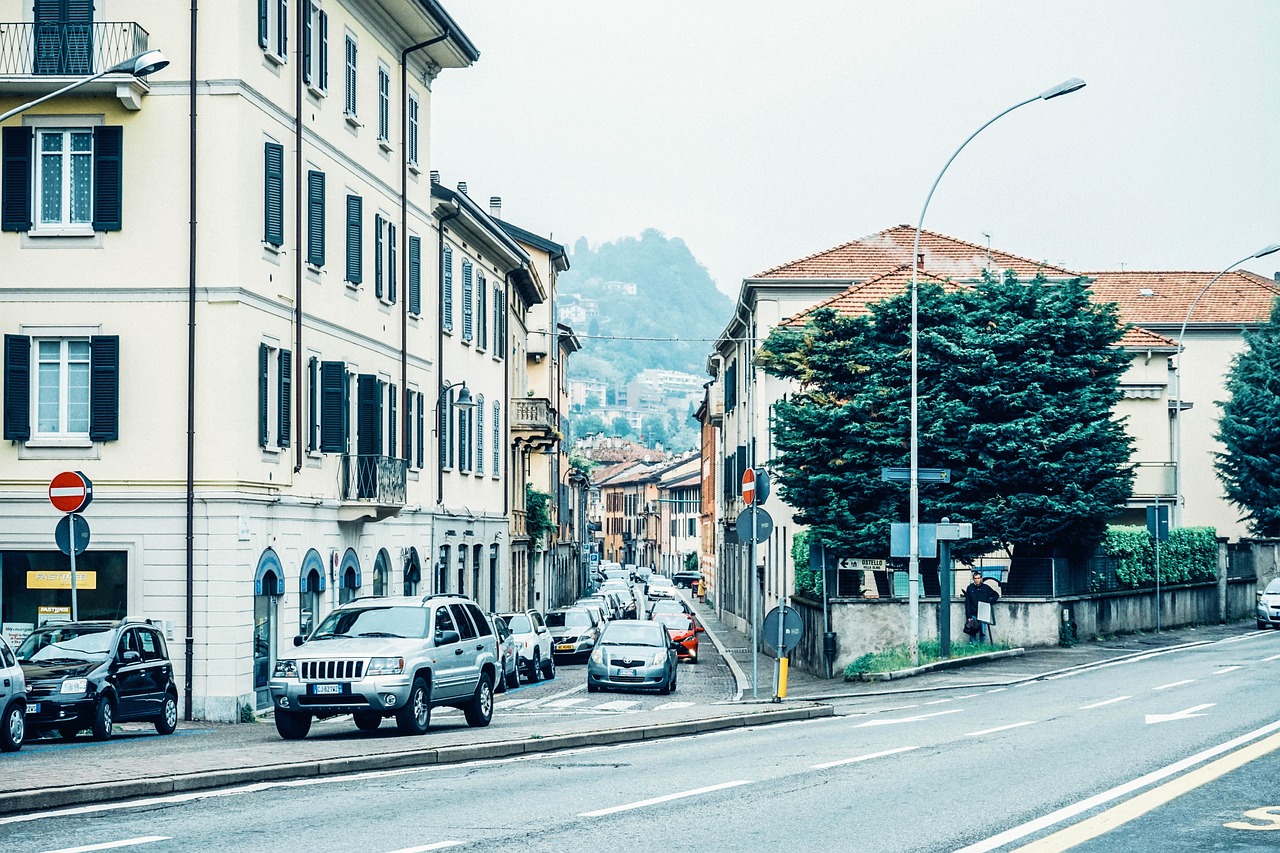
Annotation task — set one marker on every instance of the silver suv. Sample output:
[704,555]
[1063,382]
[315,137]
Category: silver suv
[389,657]
[13,700]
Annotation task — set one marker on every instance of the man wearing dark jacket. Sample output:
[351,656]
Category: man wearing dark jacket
[973,594]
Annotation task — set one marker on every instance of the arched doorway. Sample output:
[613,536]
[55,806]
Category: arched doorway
[349,577]
[311,585]
[381,572]
[268,586]
[412,572]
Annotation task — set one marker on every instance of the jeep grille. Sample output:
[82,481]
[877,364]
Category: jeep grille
[331,670]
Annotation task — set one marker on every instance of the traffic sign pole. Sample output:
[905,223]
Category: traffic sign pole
[755,610]
[71,519]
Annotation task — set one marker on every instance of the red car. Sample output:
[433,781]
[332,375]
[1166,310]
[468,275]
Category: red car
[683,630]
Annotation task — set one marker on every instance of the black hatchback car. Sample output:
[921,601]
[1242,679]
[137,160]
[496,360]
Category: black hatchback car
[92,675]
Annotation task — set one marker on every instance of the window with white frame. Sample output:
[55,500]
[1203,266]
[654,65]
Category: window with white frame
[350,58]
[482,318]
[480,443]
[273,29]
[413,129]
[275,393]
[315,48]
[64,177]
[384,103]
[61,387]
[60,394]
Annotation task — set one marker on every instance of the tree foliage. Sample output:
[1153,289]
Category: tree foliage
[1189,554]
[1249,429]
[1017,380]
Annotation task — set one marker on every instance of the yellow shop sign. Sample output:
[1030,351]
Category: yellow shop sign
[61,580]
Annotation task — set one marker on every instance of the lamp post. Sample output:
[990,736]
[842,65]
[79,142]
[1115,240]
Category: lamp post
[141,65]
[1177,378]
[913,567]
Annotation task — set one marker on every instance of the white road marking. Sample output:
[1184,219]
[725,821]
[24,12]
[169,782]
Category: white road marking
[619,705]
[1001,728]
[671,706]
[110,845]
[1253,635]
[511,703]
[1177,715]
[864,757]
[908,719]
[653,802]
[997,690]
[439,845]
[542,700]
[1174,684]
[1226,669]
[1273,657]
[565,703]
[936,702]
[1041,823]
[1104,702]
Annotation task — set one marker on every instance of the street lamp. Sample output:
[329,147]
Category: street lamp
[1177,377]
[913,567]
[464,400]
[141,65]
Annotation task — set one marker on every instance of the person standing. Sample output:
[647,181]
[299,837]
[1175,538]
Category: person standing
[978,611]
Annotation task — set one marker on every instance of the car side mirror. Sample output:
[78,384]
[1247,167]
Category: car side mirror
[701,630]
[131,657]
[675,645]
[299,640]
[447,638]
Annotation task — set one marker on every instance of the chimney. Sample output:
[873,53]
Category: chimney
[920,262]
[462,187]
[1277,276]
[495,206]
[435,176]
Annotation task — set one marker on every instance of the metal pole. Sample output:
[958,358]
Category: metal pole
[944,598]
[755,612]
[1157,538]
[826,612]
[782,612]
[71,530]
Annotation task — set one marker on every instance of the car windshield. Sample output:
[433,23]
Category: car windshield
[374,622]
[633,634]
[519,623]
[667,607]
[674,621]
[660,581]
[75,643]
[1274,587]
[569,619]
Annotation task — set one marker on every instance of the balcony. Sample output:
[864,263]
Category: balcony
[372,486]
[36,59]
[1153,479]
[533,423]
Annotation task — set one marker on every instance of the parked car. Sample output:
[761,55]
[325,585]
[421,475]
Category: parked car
[642,574]
[382,657]
[624,602]
[1269,606]
[574,632]
[533,642]
[633,655]
[13,700]
[92,675]
[597,606]
[668,605]
[617,573]
[605,602]
[508,654]
[686,579]
[684,632]
[660,587]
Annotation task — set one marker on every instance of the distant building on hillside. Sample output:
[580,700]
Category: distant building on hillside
[626,288]
[578,310]
[661,390]
[582,390]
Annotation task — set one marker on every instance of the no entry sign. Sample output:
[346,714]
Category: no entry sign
[70,491]
[749,486]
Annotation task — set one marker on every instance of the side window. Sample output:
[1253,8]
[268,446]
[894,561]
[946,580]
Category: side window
[128,643]
[465,628]
[444,622]
[150,645]
[537,621]
[7,656]
[482,624]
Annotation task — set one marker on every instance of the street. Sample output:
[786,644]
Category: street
[972,769]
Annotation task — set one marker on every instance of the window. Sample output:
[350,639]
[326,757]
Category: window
[315,48]
[422,423]
[273,28]
[415,275]
[480,445]
[446,291]
[335,407]
[275,390]
[497,437]
[315,218]
[350,106]
[73,390]
[467,291]
[379,229]
[355,247]
[464,439]
[273,192]
[393,425]
[499,330]
[482,318]
[313,404]
[413,129]
[62,181]
[384,103]
[384,262]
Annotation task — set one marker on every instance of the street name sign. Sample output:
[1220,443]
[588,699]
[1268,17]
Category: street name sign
[862,564]
[923,475]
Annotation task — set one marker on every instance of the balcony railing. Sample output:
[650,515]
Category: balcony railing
[374,479]
[1154,479]
[67,50]
[533,413]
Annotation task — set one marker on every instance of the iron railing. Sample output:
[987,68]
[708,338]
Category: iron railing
[67,50]
[374,479]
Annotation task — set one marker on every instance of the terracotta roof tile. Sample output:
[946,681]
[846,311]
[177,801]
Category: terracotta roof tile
[1162,298]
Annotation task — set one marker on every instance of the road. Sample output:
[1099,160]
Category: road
[1111,758]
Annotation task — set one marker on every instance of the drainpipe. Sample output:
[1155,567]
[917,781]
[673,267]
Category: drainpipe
[298,390]
[188,679]
[404,228]
[440,349]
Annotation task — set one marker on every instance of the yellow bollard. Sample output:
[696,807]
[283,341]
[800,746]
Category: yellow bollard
[782,679]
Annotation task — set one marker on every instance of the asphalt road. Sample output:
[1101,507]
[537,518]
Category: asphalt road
[1169,749]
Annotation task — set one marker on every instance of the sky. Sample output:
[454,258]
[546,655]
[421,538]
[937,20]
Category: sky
[762,132]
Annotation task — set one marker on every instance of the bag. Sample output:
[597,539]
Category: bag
[971,627]
[985,613]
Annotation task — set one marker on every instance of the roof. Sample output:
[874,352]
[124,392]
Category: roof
[857,298]
[465,47]
[879,253]
[555,250]
[1162,298]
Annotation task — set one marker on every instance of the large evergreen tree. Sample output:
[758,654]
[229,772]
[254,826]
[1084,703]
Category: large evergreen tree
[1250,429]
[1017,381]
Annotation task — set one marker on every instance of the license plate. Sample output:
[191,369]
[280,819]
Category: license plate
[33,707]
[630,673]
[564,648]
[326,689]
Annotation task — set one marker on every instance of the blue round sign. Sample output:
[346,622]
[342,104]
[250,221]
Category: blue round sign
[62,534]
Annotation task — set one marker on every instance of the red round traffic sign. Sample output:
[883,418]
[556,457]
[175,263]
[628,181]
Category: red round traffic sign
[70,491]
[749,486]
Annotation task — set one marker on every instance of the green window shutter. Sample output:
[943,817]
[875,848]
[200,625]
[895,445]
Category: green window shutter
[15,195]
[108,177]
[282,29]
[324,51]
[377,255]
[17,387]
[446,291]
[480,448]
[307,8]
[355,248]
[391,263]
[442,427]
[315,218]
[482,317]
[422,423]
[273,213]
[333,407]
[313,399]
[262,23]
[415,275]
[284,386]
[104,387]
[263,391]
[467,296]
[392,425]
[409,423]
[368,415]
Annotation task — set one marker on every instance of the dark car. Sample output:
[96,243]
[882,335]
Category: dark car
[574,632]
[92,675]
[687,579]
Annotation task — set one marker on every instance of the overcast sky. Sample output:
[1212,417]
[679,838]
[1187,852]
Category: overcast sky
[761,132]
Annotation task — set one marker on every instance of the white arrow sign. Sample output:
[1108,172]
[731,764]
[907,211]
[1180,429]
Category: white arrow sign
[1180,715]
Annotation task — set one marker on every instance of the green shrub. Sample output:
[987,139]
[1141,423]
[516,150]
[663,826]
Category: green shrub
[899,657]
[807,581]
[1189,554]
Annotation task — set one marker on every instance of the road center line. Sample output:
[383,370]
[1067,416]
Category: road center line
[1249,636]
[1001,728]
[109,845]
[1104,702]
[1226,669]
[937,702]
[864,757]
[1174,684]
[665,799]
[908,719]
[439,845]
[1273,657]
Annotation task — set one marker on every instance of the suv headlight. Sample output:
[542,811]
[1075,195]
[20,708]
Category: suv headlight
[75,685]
[286,669]
[385,666]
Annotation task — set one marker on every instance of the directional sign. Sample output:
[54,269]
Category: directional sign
[62,534]
[754,525]
[923,475]
[70,491]
[792,628]
[863,564]
[749,486]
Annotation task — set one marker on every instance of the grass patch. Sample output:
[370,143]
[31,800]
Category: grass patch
[899,657]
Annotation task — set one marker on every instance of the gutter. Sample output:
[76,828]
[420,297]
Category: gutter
[440,348]
[298,389]
[190,641]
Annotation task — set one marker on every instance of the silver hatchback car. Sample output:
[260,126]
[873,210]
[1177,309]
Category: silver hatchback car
[633,655]
[13,699]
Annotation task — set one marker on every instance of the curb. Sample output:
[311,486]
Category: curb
[44,799]
[950,663]
[739,677]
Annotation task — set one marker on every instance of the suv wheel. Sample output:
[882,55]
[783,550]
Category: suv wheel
[415,717]
[167,722]
[549,667]
[479,710]
[535,667]
[513,678]
[13,728]
[292,725]
[367,721]
[103,718]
